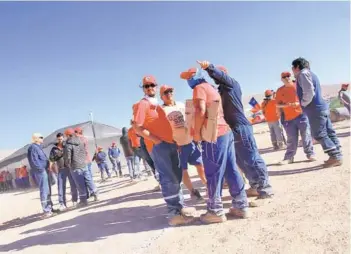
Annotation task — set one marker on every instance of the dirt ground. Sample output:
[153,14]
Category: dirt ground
[310,213]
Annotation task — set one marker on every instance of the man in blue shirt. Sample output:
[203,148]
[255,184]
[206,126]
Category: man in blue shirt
[39,164]
[317,110]
[247,156]
[113,154]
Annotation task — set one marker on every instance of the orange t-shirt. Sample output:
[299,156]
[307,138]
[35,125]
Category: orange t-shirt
[269,108]
[207,93]
[287,94]
[153,119]
[134,139]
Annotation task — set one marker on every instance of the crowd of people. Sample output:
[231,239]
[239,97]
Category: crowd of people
[210,132]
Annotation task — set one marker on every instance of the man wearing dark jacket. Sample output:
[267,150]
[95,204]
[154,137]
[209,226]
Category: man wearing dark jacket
[75,160]
[128,152]
[315,107]
[39,164]
[57,161]
[248,157]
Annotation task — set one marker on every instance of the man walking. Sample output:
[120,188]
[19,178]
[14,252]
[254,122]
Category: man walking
[150,122]
[295,121]
[113,154]
[272,116]
[248,157]
[100,158]
[56,160]
[75,160]
[317,110]
[39,164]
[218,157]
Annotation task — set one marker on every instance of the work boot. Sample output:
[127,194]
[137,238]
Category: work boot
[195,194]
[286,162]
[82,204]
[179,220]
[239,213]
[62,208]
[48,215]
[210,217]
[251,192]
[332,162]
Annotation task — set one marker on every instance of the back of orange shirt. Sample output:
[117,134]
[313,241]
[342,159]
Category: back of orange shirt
[207,93]
[153,119]
[285,95]
[269,109]
[135,140]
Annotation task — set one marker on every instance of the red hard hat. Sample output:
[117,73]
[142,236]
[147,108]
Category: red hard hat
[69,132]
[78,130]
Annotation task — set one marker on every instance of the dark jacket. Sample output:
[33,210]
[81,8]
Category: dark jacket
[125,143]
[37,159]
[56,155]
[74,153]
[230,92]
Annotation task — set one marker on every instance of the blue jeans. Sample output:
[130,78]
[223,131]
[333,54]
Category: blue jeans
[44,185]
[116,164]
[62,176]
[292,129]
[83,179]
[104,167]
[133,166]
[249,159]
[323,131]
[219,161]
[165,157]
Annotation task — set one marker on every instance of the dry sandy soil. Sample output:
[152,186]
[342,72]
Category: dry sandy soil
[310,213]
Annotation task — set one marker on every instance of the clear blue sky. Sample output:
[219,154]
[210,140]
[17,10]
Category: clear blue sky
[60,60]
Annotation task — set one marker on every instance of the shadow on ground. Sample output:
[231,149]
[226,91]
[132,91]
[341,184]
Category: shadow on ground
[295,171]
[94,226]
[343,134]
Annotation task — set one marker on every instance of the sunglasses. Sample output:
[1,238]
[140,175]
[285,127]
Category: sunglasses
[286,77]
[41,137]
[148,86]
[168,92]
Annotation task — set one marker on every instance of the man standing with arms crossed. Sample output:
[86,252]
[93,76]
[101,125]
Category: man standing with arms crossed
[150,122]
[248,157]
[317,110]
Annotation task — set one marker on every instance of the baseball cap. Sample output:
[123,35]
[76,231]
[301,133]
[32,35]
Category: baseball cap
[286,74]
[113,143]
[149,79]
[268,93]
[165,88]
[69,132]
[188,74]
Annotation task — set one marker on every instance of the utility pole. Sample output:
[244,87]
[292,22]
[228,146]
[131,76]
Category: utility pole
[93,127]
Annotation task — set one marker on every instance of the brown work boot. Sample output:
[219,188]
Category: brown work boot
[179,220]
[332,162]
[251,192]
[188,211]
[240,213]
[209,218]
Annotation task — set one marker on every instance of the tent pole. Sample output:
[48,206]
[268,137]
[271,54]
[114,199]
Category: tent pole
[92,127]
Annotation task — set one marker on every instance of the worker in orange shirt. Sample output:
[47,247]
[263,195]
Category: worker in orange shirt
[295,120]
[272,116]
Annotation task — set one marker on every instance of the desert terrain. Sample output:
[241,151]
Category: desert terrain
[310,213]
